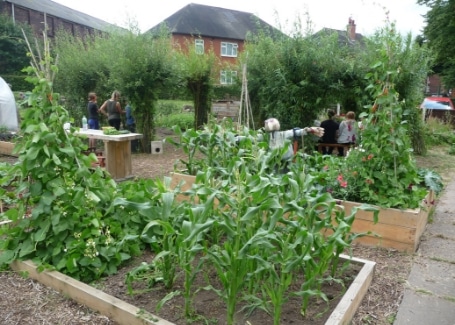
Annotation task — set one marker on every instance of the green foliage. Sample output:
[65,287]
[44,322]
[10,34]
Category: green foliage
[85,239]
[438,132]
[139,66]
[13,49]
[183,121]
[412,62]
[227,91]
[438,35]
[169,107]
[257,228]
[17,82]
[171,113]
[431,179]
[451,150]
[197,72]
[382,170]
[294,78]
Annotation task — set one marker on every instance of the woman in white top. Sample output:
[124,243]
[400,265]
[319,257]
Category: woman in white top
[347,133]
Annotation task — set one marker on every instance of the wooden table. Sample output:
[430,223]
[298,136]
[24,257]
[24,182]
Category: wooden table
[117,151]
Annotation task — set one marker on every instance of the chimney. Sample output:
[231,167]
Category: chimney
[351,30]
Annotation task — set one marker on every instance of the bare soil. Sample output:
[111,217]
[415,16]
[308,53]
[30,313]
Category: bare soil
[24,301]
[209,308]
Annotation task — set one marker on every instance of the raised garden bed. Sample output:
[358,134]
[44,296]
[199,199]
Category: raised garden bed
[397,229]
[125,313]
[6,148]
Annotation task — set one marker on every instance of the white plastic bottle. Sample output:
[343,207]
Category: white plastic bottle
[84,123]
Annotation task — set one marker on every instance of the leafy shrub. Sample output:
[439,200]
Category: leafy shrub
[451,150]
[183,121]
[170,107]
[438,132]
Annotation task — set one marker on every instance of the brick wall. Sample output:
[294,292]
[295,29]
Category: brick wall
[36,20]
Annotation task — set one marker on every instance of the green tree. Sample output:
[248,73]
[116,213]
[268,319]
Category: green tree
[84,67]
[295,77]
[143,70]
[438,34]
[198,79]
[13,49]
[139,66]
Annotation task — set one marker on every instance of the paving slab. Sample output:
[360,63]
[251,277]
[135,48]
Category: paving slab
[435,277]
[445,206]
[430,296]
[438,247]
[443,227]
[425,309]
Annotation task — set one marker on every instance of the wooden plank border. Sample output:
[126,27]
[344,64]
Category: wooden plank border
[6,148]
[114,308]
[347,307]
[127,314]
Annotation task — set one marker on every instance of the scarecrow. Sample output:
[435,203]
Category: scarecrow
[279,139]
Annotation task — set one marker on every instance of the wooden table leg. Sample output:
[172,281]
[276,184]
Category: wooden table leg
[118,159]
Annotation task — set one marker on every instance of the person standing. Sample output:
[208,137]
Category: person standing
[330,127]
[131,125]
[112,109]
[347,131]
[130,122]
[93,117]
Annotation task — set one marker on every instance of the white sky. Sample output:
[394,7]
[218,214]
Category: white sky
[369,15]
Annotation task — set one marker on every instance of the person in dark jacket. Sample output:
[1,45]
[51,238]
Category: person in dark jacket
[131,125]
[330,127]
[93,116]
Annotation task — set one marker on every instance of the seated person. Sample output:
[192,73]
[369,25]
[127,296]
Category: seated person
[330,127]
[347,131]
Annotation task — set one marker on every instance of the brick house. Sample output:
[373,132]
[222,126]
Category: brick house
[435,87]
[221,30]
[57,16]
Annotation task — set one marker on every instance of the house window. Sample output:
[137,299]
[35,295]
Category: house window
[228,77]
[199,43]
[229,49]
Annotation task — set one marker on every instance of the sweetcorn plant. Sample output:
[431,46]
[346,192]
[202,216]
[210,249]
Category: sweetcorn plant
[258,229]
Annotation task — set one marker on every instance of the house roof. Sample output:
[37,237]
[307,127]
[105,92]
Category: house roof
[57,10]
[207,21]
[343,37]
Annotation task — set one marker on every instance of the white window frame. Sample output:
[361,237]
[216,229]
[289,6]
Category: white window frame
[199,46]
[227,77]
[229,49]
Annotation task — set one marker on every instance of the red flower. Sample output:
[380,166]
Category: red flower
[341,181]
[370,156]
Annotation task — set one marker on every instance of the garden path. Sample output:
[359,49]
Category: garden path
[429,297]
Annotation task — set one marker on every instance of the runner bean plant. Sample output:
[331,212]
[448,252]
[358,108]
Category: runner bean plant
[63,217]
